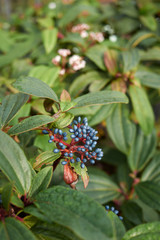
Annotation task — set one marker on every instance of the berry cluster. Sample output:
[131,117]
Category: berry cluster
[80,148]
[113,210]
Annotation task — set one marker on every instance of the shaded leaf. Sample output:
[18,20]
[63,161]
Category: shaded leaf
[130,59]
[10,106]
[40,181]
[132,212]
[148,192]
[14,163]
[101,188]
[12,229]
[6,196]
[120,128]
[142,150]
[152,171]
[142,108]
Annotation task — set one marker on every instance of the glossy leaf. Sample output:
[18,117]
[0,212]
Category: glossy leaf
[36,87]
[120,128]
[148,192]
[142,108]
[152,171]
[100,98]
[74,210]
[152,54]
[148,79]
[46,74]
[142,150]
[46,158]
[30,123]
[40,181]
[64,120]
[10,106]
[12,229]
[149,21]
[14,163]
[49,37]
[101,188]
[147,231]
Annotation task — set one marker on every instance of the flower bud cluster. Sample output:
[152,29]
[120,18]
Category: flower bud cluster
[96,36]
[108,208]
[80,148]
[81,29]
[75,62]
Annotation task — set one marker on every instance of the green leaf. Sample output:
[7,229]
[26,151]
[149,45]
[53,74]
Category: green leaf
[30,123]
[41,141]
[49,37]
[148,192]
[36,87]
[101,98]
[66,106]
[46,74]
[40,181]
[6,196]
[12,229]
[46,158]
[147,231]
[14,163]
[117,225]
[152,54]
[20,49]
[142,150]
[102,114]
[142,108]
[120,128]
[73,38]
[149,21]
[101,188]
[16,201]
[73,210]
[148,79]
[132,212]
[10,106]
[81,82]
[96,54]
[5,41]
[152,171]
[64,120]
[73,12]
[130,59]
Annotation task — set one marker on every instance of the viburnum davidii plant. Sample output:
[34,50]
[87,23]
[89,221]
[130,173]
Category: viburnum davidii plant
[79,121]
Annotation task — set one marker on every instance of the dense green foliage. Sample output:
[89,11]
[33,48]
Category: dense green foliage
[60,64]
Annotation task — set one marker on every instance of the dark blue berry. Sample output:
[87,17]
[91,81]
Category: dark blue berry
[56,150]
[45,131]
[82,165]
[63,162]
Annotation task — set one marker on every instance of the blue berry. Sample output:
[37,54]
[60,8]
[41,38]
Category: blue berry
[65,138]
[45,131]
[78,149]
[52,137]
[79,119]
[60,144]
[75,122]
[78,159]
[82,165]
[60,132]
[72,160]
[76,139]
[70,154]
[120,217]
[84,160]
[63,162]
[50,141]
[56,150]
[107,207]
[92,161]
[73,136]
[66,154]
[71,130]
[56,131]
[116,212]
[64,134]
